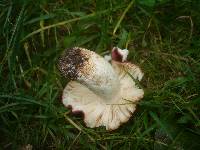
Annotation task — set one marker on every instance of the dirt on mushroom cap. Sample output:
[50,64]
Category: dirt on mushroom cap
[71,62]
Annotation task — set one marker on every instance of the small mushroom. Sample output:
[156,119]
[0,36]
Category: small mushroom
[105,93]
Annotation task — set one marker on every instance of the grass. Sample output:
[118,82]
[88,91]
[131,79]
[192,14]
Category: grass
[163,39]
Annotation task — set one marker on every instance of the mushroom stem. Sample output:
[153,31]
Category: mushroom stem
[91,70]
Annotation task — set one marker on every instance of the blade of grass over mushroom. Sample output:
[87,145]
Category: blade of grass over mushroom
[72,122]
[68,21]
[135,80]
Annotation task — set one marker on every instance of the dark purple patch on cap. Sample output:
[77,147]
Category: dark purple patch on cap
[78,113]
[116,55]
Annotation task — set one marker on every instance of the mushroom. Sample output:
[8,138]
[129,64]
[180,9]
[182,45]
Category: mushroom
[104,92]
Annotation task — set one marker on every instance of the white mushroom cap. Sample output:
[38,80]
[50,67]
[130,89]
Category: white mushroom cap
[105,93]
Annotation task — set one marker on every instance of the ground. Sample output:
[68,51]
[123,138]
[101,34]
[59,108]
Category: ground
[163,39]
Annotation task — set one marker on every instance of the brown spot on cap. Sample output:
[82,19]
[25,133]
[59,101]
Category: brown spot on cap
[71,61]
